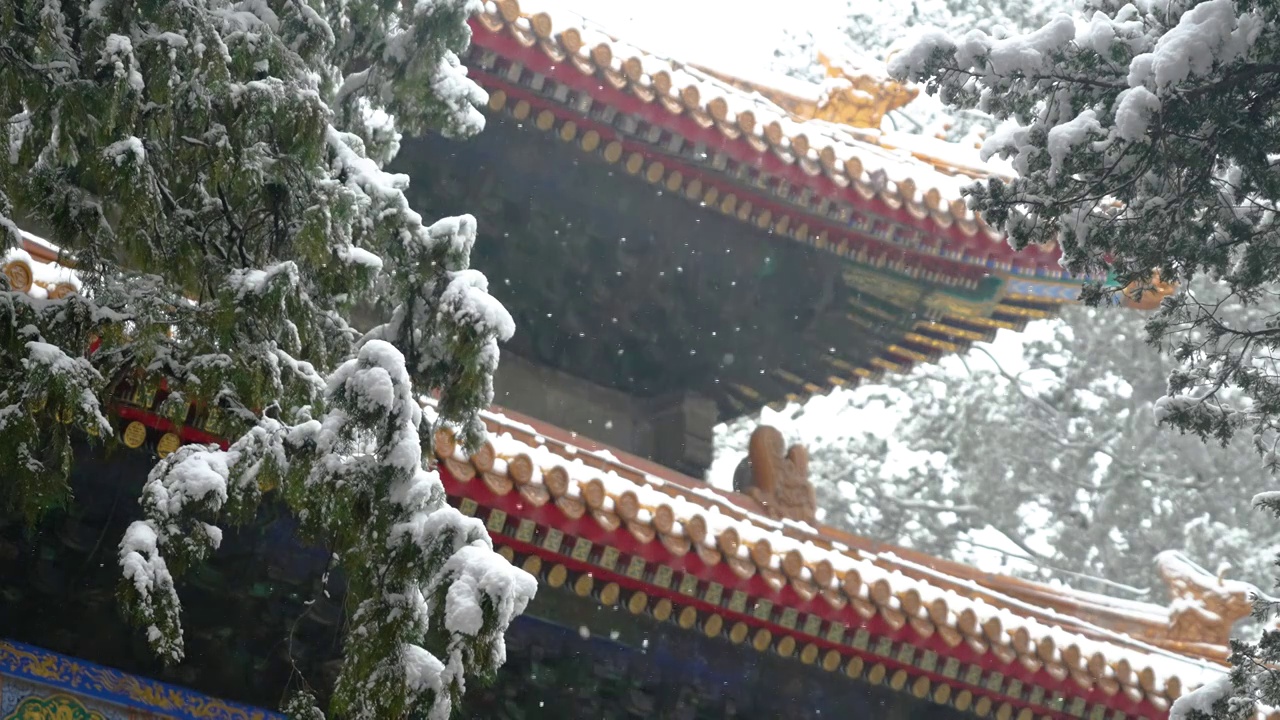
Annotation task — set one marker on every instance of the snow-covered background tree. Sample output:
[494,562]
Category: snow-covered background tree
[1145,140]
[213,170]
[1141,144]
[965,435]
[1049,453]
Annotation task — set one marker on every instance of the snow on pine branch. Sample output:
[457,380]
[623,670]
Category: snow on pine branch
[441,564]
[461,94]
[442,572]
[188,484]
[1145,143]
[1140,143]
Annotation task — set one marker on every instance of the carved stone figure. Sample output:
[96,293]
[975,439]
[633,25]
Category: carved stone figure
[1204,607]
[777,477]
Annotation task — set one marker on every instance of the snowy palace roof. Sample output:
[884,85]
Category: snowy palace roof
[618,528]
[756,570]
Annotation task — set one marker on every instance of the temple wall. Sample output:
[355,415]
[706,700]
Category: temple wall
[675,431]
[600,413]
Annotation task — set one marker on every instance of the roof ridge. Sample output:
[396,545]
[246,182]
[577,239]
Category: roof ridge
[996,590]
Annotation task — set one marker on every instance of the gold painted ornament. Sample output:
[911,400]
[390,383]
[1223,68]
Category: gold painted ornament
[135,433]
[168,443]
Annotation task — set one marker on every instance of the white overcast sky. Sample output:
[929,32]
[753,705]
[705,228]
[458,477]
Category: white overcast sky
[724,33]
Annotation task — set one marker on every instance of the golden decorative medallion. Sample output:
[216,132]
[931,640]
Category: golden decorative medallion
[19,274]
[557,576]
[638,602]
[135,433]
[169,442]
[609,595]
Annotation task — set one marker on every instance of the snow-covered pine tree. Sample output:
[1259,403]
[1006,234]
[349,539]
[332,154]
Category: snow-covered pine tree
[1145,139]
[213,170]
[1143,143]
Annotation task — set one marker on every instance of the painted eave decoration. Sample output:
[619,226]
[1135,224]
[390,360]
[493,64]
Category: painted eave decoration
[817,143]
[37,683]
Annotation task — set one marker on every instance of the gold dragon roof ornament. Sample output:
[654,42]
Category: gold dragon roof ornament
[851,95]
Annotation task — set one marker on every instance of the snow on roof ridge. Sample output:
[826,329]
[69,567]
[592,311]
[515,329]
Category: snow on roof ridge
[871,566]
[1108,602]
[40,242]
[1124,641]
[926,157]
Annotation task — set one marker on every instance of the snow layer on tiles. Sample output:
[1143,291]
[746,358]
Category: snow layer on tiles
[699,35]
[769,78]
[52,274]
[1164,663]
[651,65]
[508,422]
[41,242]
[961,156]
[1136,609]
[1012,613]
[755,529]
[845,141]
[895,157]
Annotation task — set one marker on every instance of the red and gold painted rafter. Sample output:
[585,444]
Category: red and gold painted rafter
[749,201]
[710,189]
[704,188]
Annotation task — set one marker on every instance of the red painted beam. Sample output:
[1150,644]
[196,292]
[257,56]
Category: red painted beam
[187,433]
[839,234]
[740,150]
